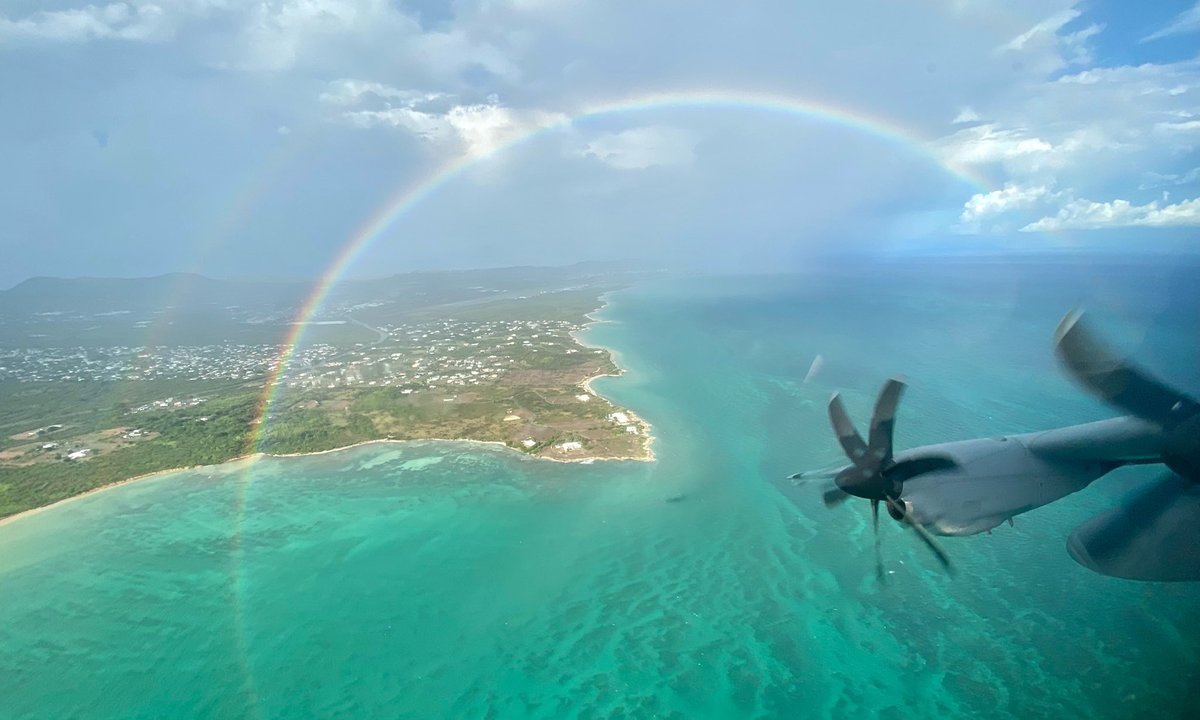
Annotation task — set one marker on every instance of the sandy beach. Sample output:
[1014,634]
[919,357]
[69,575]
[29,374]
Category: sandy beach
[137,478]
[586,384]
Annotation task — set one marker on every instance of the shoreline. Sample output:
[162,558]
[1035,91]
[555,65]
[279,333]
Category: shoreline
[646,456]
[647,446]
[109,486]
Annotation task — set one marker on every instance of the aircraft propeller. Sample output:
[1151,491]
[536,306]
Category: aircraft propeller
[874,474]
[1154,533]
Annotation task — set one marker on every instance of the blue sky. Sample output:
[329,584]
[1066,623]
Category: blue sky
[245,139]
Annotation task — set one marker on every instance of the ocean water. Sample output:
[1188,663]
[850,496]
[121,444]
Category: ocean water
[462,580]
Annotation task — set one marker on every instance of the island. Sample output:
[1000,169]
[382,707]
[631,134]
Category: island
[99,386]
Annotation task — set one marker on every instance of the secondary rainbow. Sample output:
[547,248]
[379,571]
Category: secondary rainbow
[412,194]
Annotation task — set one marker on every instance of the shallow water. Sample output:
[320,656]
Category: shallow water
[462,580]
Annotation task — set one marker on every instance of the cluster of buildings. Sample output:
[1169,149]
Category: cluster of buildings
[444,354]
[440,354]
[121,363]
[165,404]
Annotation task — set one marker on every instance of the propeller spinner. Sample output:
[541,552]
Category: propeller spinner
[874,474]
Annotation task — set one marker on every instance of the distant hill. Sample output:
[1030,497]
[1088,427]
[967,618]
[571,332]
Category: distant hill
[49,294]
[191,309]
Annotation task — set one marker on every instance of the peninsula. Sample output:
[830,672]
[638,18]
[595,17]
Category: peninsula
[482,355]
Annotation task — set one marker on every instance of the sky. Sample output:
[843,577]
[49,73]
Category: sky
[267,139]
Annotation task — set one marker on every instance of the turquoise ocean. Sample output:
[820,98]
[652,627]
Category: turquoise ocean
[462,580]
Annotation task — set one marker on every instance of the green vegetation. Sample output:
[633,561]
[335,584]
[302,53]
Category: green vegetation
[182,440]
[86,407]
[487,363]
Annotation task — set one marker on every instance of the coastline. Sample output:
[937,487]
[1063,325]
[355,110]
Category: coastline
[109,486]
[646,456]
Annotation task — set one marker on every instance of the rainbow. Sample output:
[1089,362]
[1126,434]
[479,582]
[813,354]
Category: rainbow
[413,194]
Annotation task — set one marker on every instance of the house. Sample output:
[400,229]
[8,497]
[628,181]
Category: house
[79,454]
[570,445]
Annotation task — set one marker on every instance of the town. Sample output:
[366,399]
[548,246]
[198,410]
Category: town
[422,356]
[517,381]
[97,387]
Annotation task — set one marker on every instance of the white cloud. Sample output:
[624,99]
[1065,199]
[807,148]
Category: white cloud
[348,92]
[1185,22]
[1088,215]
[1011,197]
[643,147]
[120,21]
[1097,132]
[435,117]
[1048,48]
[1156,180]
[990,143]
[277,34]
[1188,126]
[265,35]
[483,128]
[966,115]
[1046,29]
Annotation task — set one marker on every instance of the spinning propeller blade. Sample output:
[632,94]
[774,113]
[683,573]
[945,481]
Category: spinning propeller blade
[852,443]
[883,421]
[1152,535]
[875,532]
[873,473]
[1115,379]
[925,535]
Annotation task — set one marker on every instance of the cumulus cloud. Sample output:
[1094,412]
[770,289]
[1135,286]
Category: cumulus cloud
[992,143]
[1010,197]
[1088,215]
[1098,131]
[1023,151]
[643,147]
[437,117]
[1185,22]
